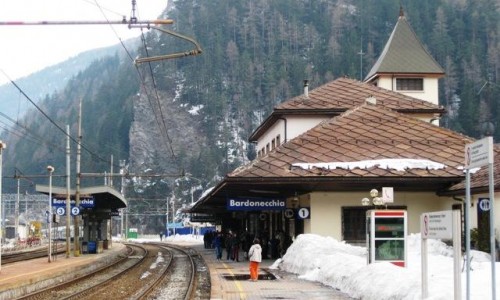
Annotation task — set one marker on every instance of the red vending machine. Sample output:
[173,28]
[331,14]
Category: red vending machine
[386,236]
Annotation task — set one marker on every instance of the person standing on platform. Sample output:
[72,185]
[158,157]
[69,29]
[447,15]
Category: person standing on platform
[228,241]
[218,246]
[255,257]
[235,247]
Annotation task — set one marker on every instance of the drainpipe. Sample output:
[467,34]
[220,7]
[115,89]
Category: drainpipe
[306,88]
[285,138]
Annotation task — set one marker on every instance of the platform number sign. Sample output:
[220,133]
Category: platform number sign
[75,211]
[304,213]
[289,213]
[484,204]
[60,211]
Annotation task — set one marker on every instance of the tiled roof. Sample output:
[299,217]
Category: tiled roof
[344,93]
[480,178]
[367,132]
[404,53]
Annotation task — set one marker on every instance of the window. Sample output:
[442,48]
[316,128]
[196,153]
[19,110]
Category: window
[278,140]
[273,144]
[409,84]
[354,223]
[268,148]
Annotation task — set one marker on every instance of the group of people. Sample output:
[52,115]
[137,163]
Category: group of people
[254,252]
[234,243]
[231,242]
[254,249]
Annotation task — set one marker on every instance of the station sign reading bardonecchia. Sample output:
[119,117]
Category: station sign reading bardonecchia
[256,204]
[479,153]
[86,201]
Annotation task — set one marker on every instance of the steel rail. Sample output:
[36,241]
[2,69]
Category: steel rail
[39,294]
[189,291]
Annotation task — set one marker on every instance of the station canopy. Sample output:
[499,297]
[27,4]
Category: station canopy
[105,197]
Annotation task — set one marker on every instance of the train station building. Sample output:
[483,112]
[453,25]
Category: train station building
[320,153]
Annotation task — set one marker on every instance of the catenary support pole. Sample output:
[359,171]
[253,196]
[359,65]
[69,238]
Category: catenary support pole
[77,183]
[68,194]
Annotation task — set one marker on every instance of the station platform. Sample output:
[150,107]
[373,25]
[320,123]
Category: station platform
[24,277]
[229,279]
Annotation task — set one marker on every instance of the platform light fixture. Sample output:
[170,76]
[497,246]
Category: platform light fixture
[375,199]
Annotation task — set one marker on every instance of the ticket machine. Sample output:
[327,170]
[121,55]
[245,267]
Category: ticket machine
[386,236]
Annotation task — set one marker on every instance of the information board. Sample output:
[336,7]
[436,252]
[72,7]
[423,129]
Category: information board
[437,225]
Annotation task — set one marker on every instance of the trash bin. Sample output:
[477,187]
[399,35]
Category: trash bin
[84,248]
[92,247]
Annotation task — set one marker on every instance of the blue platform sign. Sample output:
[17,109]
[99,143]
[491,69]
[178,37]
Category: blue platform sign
[256,203]
[85,202]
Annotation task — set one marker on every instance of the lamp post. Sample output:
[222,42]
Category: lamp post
[51,170]
[375,199]
[2,146]
[172,202]
[168,229]
[192,189]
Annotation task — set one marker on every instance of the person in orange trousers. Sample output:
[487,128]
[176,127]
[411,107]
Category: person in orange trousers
[255,257]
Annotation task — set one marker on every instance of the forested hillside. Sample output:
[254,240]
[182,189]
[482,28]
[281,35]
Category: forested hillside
[194,114]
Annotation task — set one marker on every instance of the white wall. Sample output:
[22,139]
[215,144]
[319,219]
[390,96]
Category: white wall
[430,92]
[296,125]
[326,209]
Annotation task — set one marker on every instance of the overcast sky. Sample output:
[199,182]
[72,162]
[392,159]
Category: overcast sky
[27,49]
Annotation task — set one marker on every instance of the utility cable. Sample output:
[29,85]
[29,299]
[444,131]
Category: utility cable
[164,132]
[36,140]
[103,8]
[113,29]
[160,119]
[157,97]
[52,121]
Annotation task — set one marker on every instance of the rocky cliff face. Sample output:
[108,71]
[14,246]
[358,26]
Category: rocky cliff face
[163,135]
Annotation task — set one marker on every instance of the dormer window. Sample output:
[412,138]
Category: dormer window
[409,84]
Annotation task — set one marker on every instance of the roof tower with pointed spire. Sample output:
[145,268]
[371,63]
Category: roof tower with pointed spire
[406,66]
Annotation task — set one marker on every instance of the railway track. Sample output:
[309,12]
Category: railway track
[67,289]
[12,257]
[153,271]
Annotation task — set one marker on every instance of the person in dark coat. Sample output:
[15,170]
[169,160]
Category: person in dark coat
[235,247]
[218,246]
[228,243]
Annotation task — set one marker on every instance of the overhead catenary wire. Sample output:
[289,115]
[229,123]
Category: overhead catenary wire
[21,91]
[133,22]
[30,137]
[50,119]
[159,119]
[142,80]
[157,97]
